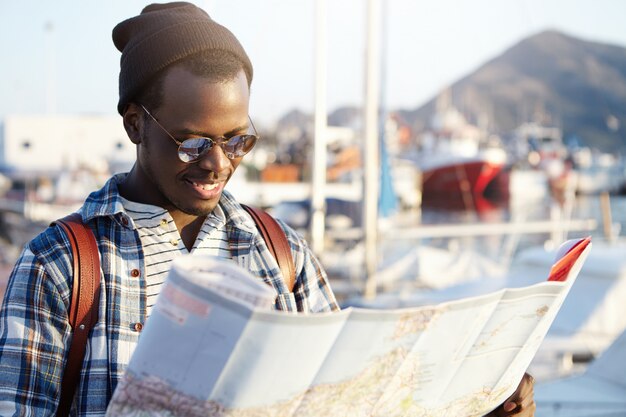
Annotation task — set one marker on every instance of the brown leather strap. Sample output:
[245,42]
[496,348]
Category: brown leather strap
[84,306]
[277,242]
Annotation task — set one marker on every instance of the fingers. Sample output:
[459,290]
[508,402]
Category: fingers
[509,406]
[523,398]
[521,403]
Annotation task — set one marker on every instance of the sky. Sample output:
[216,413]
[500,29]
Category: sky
[59,57]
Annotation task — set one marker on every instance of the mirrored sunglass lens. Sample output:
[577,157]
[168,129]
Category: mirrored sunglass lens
[239,145]
[249,142]
[192,149]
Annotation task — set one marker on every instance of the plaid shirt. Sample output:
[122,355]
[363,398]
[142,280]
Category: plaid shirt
[34,329]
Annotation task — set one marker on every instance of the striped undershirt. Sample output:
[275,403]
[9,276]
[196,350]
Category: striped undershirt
[162,243]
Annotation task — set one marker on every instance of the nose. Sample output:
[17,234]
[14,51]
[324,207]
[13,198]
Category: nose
[214,160]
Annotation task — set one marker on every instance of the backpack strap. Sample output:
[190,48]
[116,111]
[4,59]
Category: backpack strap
[83,314]
[277,242]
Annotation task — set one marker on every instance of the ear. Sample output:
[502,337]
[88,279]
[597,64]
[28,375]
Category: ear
[134,122]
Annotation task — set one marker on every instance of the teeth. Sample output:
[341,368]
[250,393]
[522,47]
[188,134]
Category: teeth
[206,187]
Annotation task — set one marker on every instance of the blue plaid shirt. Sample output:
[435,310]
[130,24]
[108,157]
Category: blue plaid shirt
[34,329]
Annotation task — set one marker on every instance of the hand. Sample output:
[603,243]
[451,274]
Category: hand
[521,403]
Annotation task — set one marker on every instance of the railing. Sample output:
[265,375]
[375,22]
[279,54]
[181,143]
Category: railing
[483,229]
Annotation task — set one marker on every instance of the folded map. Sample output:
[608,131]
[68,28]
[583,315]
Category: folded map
[214,347]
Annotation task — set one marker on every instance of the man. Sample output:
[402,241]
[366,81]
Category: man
[184,95]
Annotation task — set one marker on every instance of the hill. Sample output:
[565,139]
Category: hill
[576,84]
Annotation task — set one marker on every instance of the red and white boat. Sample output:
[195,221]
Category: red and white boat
[460,162]
[464,181]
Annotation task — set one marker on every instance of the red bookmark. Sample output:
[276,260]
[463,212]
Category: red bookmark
[560,270]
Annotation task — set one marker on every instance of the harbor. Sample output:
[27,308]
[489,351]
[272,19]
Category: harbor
[418,188]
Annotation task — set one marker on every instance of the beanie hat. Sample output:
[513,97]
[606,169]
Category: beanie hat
[162,35]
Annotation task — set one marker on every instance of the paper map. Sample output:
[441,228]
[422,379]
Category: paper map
[205,352]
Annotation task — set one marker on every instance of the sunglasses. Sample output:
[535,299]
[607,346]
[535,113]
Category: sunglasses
[191,150]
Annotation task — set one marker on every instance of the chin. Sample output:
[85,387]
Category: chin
[193,206]
[200,210]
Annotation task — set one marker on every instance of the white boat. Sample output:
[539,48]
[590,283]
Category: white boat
[404,267]
[597,172]
[592,316]
[527,185]
[460,162]
[599,391]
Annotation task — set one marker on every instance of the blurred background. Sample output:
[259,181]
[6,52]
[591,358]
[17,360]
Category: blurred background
[499,131]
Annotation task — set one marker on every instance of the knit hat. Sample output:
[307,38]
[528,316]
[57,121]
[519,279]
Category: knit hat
[163,34]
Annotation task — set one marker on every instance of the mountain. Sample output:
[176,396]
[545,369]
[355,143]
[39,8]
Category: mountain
[575,84]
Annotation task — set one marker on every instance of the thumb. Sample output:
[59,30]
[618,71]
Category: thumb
[509,406]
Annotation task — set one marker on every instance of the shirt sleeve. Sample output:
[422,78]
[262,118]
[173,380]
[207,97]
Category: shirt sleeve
[33,334]
[312,291]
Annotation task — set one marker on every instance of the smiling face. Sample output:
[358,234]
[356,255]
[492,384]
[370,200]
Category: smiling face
[192,106]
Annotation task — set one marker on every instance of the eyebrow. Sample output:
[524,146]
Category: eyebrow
[198,133]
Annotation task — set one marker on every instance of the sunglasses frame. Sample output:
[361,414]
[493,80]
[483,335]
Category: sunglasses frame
[211,141]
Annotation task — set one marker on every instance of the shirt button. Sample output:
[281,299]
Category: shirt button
[138,327]
[174,242]
[124,221]
[163,222]
[135,273]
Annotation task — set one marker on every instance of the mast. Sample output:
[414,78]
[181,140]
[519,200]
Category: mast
[318,184]
[371,147]
[50,47]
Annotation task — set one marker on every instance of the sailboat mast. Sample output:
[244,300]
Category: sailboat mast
[318,184]
[371,146]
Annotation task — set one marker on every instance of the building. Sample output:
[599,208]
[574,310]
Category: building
[53,143]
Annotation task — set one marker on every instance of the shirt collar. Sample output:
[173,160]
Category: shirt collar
[108,202]
[104,202]
[235,215]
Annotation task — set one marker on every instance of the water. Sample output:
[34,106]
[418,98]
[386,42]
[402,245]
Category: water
[580,208]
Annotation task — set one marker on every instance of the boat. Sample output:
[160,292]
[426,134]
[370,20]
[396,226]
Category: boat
[538,147]
[592,316]
[596,171]
[599,391]
[460,162]
[461,179]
